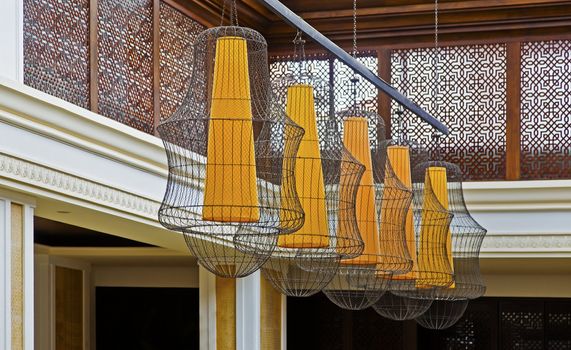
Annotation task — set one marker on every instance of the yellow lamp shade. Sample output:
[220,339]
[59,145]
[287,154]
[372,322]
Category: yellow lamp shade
[399,159]
[308,176]
[356,140]
[230,193]
[435,253]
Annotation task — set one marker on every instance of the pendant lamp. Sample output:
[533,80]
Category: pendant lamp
[382,204]
[443,314]
[231,157]
[466,239]
[426,225]
[326,179]
[400,308]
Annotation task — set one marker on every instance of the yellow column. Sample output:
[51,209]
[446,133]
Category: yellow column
[225,313]
[17,274]
[270,316]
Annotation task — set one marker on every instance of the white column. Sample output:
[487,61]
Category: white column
[284,322]
[248,312]
[207,309]
[11,40]
[5,280]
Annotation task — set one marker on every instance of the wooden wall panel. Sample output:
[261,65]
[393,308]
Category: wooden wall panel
[68,308]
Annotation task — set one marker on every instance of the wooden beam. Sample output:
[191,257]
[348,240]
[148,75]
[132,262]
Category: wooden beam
[93,54]
[513,109]
[384,68]
[429,8]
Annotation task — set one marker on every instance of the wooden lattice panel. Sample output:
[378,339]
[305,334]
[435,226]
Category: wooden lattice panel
[177,35]
[522,326]
[546,110]
[471,101]
[125,67]
[56,48]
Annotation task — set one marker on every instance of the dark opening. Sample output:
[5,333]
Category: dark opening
[488,324]
[147,318]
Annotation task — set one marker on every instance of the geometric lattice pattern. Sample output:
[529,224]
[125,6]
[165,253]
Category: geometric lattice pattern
[546,110]
[558,325]
[506,323]
[522,326]
[125,66]
[177,35]
[56,45]
[332,80]
[470,99]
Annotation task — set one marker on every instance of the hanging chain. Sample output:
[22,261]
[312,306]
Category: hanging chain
[233,12]
[435,135]
[299,54]
[354,28]
[355,79]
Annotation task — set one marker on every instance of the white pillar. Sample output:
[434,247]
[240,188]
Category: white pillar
[12,39]
[207,309]
[16,272]
[248,312]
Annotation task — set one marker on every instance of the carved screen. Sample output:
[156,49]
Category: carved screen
[125,67]
[522,325]
[177,36]
[558,325]
[546,110]
[471,101]
[332,80]
[56,48]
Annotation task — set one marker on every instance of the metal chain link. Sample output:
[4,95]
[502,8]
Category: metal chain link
[233,12]
[435,136]
[354,28]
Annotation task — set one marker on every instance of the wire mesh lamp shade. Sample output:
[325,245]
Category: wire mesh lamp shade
[400,308]
[381,204]
[326,178]
[231,157]
[426,226]
[466,238]
[443,314]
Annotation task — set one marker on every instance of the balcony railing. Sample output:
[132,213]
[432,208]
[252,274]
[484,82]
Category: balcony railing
[508,105]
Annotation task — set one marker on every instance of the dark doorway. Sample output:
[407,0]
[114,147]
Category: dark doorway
[488,324]
[147,318]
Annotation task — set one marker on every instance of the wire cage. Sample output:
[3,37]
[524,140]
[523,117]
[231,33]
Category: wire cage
[426,226]
[382,205]
[400,308]
[327,178]
[231,156]
[443,314]
[466,239]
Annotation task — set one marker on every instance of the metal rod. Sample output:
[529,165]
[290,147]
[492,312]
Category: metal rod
[291,18]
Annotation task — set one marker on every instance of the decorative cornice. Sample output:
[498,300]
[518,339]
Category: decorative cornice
[73,186]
